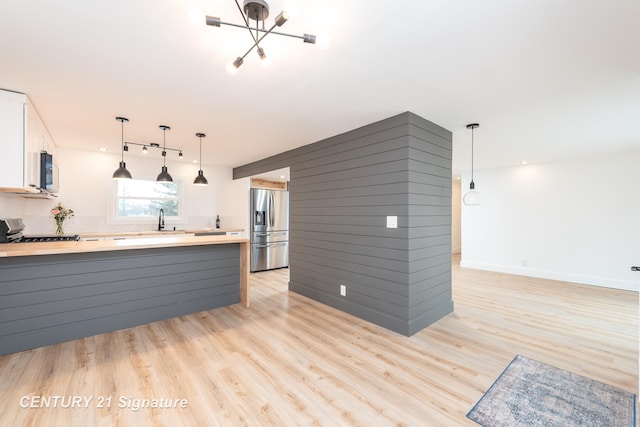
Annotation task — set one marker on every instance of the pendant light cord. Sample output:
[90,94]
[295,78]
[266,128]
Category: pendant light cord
[472,126]
[122,138]
[472,156]
[164,147]
[200,153]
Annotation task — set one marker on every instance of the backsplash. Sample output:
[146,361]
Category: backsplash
[11,206]
[45,224]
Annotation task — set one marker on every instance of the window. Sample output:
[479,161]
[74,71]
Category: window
[143,199]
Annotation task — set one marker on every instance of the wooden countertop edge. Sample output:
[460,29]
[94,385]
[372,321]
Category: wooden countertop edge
[53,248]
[152,233]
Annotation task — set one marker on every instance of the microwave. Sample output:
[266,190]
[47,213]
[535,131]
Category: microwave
[48,173]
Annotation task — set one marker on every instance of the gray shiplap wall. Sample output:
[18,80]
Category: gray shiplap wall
[342,189]
[48,299]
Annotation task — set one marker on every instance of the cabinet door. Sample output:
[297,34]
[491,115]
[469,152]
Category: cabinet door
[12,136]
[34,143]
[37,140]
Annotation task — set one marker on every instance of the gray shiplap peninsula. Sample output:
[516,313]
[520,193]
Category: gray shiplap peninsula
[58,291]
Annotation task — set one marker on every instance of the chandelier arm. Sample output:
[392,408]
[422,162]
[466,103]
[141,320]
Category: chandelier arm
[246,21]
[288,35]
[262,30]
[258,41]
[255,38]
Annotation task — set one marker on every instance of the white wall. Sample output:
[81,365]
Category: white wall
[86,185]
[456,200]
[573,220]
[11,206]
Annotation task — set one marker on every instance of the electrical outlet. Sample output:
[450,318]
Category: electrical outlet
[343,290]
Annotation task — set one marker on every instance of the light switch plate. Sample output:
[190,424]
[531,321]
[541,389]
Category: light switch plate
[392,222]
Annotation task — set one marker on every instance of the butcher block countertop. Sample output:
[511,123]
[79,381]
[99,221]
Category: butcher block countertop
[152,233]
[164,240]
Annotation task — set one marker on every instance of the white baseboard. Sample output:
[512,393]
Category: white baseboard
[625,285]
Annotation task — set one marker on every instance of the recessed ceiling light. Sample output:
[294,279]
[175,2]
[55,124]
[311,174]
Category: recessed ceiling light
[524,162]
[195,161]
[103,149]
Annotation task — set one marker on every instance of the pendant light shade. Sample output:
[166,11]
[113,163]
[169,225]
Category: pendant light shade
[164,176]
[472,197]
[122,172]
[200,179]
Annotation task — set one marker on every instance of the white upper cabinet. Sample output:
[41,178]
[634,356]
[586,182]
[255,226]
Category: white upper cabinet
[23,136]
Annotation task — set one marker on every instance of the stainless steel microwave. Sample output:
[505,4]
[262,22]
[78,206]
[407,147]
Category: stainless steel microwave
[48,173]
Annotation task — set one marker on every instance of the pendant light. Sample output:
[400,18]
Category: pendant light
[122,172]
[472,197]
[200,179]
[164,175]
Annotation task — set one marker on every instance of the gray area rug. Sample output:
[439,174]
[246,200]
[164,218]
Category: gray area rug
[531,393]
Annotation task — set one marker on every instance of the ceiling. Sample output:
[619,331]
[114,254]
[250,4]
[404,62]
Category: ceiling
[546,79]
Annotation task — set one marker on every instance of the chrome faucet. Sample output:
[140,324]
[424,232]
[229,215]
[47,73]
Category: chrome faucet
[161,220]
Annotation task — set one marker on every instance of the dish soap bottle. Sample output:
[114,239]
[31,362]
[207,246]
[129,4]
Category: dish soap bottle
[217,221]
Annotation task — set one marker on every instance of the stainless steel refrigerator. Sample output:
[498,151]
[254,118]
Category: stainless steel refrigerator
[269,229]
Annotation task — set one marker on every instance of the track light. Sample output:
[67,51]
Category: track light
[122,172]
[258,11]
[163,176]
[200,179]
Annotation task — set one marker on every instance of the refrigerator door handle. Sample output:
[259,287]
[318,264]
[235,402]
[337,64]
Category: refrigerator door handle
[271,207]
[270,245]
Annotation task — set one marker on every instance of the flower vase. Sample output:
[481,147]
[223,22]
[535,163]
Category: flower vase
[59,230]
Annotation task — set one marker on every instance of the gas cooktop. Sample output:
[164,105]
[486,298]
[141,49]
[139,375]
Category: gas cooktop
[11,232]
[52,238]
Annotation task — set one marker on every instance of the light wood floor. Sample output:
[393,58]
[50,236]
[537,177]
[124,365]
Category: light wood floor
[289,361]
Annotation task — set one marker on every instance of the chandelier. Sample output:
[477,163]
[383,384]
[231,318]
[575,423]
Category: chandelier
[258,11]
